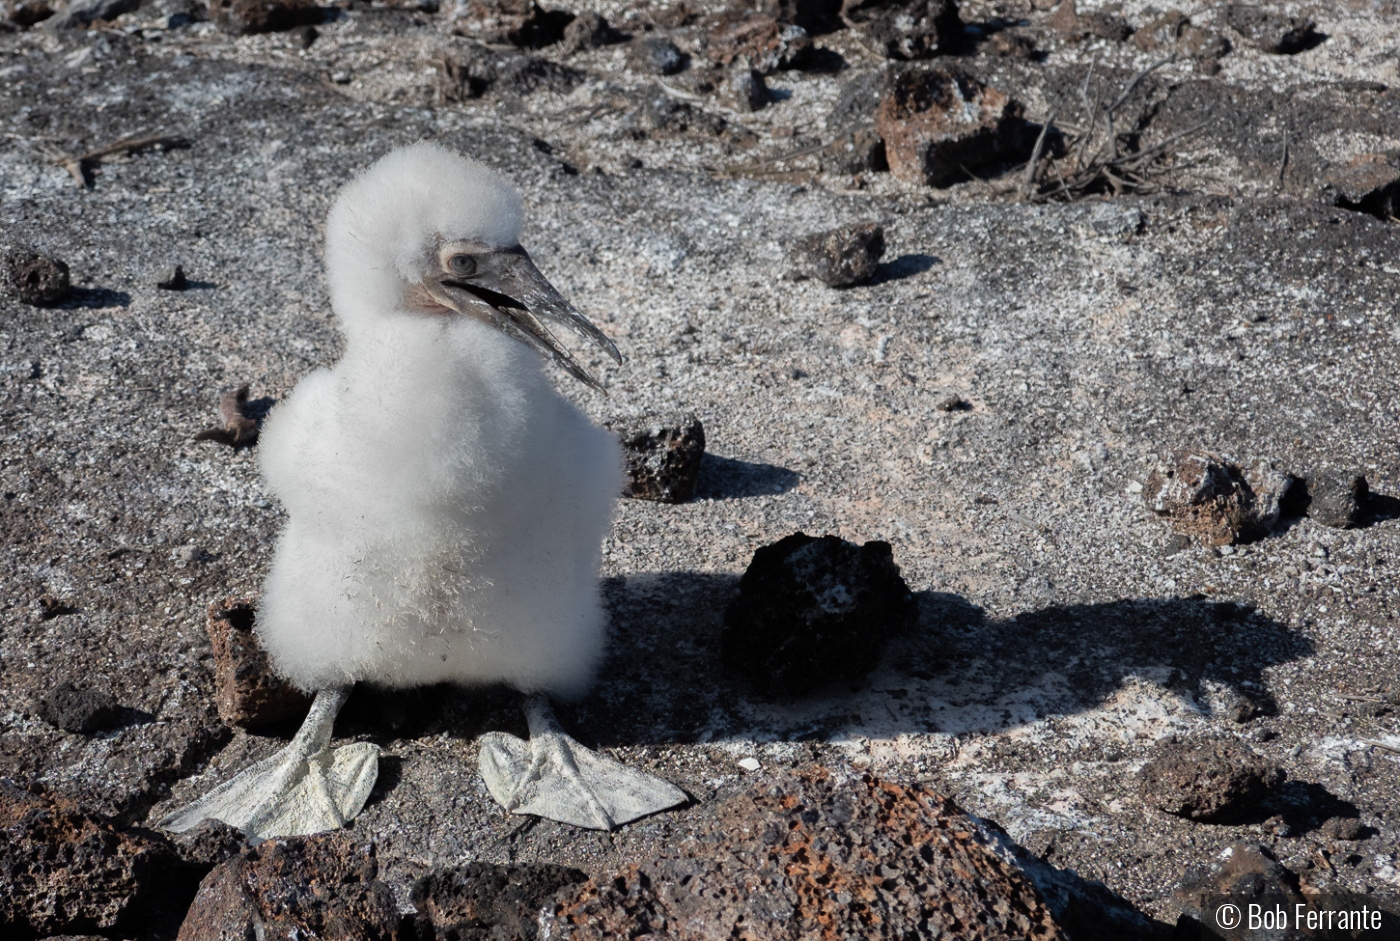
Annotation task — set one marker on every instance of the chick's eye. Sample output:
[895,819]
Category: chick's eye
[462,265]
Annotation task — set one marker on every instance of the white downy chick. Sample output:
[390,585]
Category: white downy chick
[446,506]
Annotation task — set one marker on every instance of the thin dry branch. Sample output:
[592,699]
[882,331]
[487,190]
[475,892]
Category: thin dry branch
[77,166]
[1100,159]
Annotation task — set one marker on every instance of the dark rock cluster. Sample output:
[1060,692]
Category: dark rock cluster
[1218,502]
[64,871]
[813,611]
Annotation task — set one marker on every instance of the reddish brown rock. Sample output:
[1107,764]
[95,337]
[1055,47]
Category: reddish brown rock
[1211,499]
[241,17]
[939,123]
[321,886]
[813,855]
[767,44]
[663,457]
[62,870]
[905,29]
[246,690]
[1208,779]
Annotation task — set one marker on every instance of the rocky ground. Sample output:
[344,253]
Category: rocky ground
[1144,234]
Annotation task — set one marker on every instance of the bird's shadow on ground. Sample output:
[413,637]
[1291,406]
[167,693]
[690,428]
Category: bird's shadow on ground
[957,671]
[727,478]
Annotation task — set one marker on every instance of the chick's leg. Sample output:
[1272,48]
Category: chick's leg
[554,776]
[306,787]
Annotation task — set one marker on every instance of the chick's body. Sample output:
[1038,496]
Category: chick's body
[446,509]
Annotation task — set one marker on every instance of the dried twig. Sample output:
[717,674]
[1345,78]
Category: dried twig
[77,166]
[1033,165]
[1381,745]
[1101,158]
[801,152]
[239,430]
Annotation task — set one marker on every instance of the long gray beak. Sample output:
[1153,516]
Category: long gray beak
[508,292]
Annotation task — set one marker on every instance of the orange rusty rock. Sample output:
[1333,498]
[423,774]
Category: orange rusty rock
[817,856]
[938,124]
[246,690]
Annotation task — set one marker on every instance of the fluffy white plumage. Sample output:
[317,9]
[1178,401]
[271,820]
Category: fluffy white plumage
[446,506]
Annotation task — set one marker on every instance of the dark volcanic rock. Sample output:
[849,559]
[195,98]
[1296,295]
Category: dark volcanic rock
[1207,779]
[938,123]
[663,457]
[589,31]
[239,429]
[655,55]
[79,710]
[1213,500]
[521,23]
[321,886]
[485,902]
[812,611]
[1369,183]
[27,14]
[209,843]
[65,871]
[744,89]
[1071,22]
[172,279]
[37,280]
[905,29]
[1270,31]
[1244,869]
[1336,497]
[247,691]
[241,17]
[766,43]
[1007,45]
[810,856]
[840,257]
[860,151]
[93,11]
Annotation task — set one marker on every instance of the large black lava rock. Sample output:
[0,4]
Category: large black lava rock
[812,611]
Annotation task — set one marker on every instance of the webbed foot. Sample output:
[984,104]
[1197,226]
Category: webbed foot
[554,776]
[307,787]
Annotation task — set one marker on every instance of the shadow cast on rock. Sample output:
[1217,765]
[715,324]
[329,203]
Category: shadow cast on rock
[956,672]
[94,299]
[1305,806]
[905,266]
[727,478]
